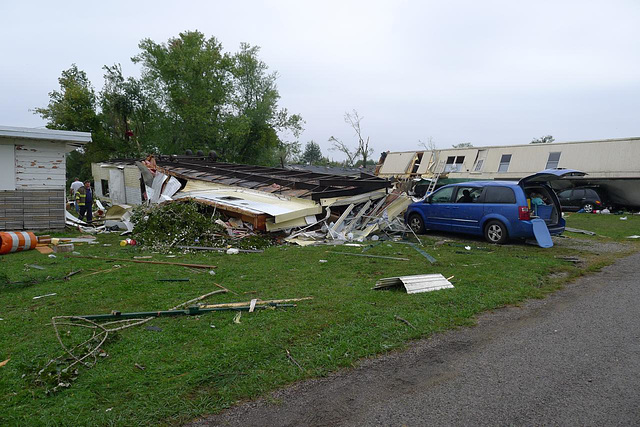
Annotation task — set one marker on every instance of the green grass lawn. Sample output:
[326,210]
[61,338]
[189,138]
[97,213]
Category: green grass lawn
[193,369]
[605,225]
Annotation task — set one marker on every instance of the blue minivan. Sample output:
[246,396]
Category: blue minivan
[497,210]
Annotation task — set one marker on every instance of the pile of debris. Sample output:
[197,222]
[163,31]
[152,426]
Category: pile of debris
[249,201]
[190,224]
[356,221]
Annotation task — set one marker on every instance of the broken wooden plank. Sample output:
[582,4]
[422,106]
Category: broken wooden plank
[341,219]
[248,303]
[204,248]
[144,262]
[200,298]
[355,220]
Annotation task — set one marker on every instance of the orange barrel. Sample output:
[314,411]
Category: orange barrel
[15,241]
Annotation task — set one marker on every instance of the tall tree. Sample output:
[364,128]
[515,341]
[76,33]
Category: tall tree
[190,77]
[350,153]
[213,100]
[353,119]
[463,145]
[73,107]
[128,112]
[256,121]
[312,154]
[547,139]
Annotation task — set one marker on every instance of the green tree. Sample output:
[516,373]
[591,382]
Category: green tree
[213,100]
[463,145]
[255,121]
[129,115]
[190,78]
[73,107]
[547,139]
[312,154]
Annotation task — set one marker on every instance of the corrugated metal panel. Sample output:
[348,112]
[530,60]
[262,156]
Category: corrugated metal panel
[40,165]
[415,284]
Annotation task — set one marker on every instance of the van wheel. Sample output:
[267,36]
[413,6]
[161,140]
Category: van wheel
[495,232]
[416,223]
[587,207]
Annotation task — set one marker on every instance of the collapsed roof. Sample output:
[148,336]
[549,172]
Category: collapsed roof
[293,183]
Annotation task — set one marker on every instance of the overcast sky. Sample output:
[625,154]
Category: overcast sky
[484,72]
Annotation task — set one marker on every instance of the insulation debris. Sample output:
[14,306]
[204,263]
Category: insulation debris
[415,284]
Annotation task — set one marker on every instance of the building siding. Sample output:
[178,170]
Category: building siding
[32,209]
[40,165]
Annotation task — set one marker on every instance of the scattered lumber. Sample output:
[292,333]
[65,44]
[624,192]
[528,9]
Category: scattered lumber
[180,264]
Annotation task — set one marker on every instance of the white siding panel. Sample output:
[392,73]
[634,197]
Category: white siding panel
[40,164]
[134,197]
[7,167]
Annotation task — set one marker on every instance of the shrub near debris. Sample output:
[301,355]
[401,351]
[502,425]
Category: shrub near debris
[165,226]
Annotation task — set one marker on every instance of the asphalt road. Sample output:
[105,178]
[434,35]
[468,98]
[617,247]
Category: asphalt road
[570,359]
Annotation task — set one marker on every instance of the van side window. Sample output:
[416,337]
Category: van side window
[499,195]
[468,195]
[443,195]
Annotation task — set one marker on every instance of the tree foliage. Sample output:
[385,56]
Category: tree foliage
[191,95]
[547,139]
[73,107]
[312,154]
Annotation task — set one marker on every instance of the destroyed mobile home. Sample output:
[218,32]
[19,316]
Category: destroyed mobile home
[306,207]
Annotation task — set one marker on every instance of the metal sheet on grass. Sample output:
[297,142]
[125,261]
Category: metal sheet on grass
[415,284]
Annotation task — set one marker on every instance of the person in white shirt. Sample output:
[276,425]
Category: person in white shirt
[75,186]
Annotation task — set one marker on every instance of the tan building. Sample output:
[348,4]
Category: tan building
[610,163]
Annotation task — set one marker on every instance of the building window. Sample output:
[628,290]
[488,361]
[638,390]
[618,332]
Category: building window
[105,187]
[482,155]
[504,163]
[553,160]
[454,164]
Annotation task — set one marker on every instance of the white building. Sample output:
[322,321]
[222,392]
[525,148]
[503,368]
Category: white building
[118,181]
[33,176]
[610,163]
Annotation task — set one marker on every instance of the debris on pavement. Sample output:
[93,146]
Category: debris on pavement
[415,284]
